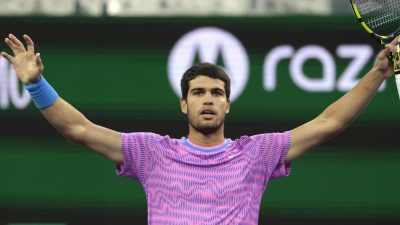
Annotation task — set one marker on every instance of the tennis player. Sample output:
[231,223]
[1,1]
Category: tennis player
[204,178]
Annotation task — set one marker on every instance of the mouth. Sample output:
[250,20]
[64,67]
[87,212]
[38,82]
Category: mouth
[207,112]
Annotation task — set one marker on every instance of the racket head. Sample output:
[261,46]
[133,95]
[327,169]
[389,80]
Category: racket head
[380,18]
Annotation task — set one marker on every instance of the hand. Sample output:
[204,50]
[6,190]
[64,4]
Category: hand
[383,64]
[27,65]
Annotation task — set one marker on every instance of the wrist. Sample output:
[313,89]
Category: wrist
[380,74]
[42,93]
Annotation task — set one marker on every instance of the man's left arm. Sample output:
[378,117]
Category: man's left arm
[343,112]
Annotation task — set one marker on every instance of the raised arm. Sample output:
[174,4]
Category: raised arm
[343,112]
[66,119]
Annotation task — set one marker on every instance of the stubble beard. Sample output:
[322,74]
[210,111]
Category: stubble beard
[205,128]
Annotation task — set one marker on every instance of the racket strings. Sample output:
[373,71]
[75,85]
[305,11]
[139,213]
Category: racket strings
[380,15]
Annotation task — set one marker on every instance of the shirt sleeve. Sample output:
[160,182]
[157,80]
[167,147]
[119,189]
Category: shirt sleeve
[282,169]
[275,147]
[137,153]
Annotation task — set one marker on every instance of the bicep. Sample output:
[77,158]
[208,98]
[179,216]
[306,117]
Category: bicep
[103,141]
[310,135]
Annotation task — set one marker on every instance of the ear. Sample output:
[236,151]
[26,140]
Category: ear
[183,105]
[228,106]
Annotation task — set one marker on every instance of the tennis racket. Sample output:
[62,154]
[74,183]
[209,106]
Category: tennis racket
[381,19]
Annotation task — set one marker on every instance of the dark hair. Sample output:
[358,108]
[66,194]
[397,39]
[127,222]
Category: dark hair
[207,69]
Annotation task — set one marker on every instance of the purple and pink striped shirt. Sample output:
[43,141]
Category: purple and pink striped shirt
[189,184]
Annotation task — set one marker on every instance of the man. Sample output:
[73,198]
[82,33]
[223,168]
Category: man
[203,178]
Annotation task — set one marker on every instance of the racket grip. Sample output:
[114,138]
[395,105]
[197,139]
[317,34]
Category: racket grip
[396,69]
[397,77]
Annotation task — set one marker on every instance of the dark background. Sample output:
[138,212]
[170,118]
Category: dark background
[351,179]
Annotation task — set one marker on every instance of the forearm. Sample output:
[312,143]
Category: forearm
[67,120]
[347,108]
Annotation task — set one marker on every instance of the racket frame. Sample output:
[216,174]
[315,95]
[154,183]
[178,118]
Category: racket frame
[381,40]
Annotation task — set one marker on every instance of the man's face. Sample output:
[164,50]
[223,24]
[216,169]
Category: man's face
[206,104]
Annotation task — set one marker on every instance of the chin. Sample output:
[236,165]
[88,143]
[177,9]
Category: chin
[208,129]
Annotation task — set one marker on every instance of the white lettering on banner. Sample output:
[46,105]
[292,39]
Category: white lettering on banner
[10,88]
[209,43]
[4,100]
[327,82]
[271,64]
[360,55]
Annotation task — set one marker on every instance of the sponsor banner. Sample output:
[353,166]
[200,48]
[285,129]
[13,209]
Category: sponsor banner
[280,70]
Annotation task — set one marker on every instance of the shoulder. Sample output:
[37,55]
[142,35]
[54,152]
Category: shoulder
[147,138]
[264,138]
[144,135]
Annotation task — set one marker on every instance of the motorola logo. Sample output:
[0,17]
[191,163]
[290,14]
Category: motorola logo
[213,45]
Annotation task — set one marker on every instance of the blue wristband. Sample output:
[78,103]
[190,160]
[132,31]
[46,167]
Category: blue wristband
[42,93]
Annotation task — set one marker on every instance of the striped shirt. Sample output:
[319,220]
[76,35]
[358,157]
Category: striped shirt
[188,184]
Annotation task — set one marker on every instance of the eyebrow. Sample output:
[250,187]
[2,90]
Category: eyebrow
[203,89]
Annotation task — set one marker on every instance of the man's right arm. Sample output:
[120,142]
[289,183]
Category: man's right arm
[79,130]
[66,119]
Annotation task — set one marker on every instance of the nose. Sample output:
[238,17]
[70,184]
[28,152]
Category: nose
[208,99]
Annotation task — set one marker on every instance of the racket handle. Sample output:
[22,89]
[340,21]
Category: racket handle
[397,77]
[396,69]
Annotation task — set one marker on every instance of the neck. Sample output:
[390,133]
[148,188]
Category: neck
[206,140]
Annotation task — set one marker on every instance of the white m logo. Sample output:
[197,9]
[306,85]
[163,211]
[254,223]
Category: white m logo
[209,44]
